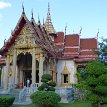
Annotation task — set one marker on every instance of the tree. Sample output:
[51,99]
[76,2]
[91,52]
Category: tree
[46,97]
[95,82]
[103,51]
[48,84]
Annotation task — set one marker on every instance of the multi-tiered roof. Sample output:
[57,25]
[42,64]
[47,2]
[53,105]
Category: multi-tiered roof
[61,47]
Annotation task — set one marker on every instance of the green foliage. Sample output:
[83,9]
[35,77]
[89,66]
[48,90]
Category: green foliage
[101,90]
[45,99]
[52,83]
[95,68]
[93,97]
[94,79]
[105,99]
[48,84]
[47,77]
[6,101]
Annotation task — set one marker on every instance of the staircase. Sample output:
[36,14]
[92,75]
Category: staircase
[15,93]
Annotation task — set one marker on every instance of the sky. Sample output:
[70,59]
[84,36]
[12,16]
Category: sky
[91,15]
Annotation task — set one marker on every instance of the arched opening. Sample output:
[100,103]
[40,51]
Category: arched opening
[24,62]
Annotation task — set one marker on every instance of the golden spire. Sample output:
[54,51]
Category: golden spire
[48,24]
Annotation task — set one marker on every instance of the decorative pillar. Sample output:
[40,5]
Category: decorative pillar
[14,67]
[33,66]
[40,68]
[7,71]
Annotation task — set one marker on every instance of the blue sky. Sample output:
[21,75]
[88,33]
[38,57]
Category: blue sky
[90,14]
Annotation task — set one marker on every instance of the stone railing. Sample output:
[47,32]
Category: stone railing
[32,89]
[10,87]
[22,95]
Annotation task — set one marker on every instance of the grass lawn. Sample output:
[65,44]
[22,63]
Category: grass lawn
[60,105]
[76,104]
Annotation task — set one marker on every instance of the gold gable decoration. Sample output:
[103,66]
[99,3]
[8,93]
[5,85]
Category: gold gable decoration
[65,70]
[24,39]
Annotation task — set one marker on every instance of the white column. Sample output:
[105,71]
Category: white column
[33,66]
[40,68]
[14,67]
[7,71]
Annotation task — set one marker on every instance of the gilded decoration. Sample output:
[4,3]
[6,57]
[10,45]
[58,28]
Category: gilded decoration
[25,39]
[24,51]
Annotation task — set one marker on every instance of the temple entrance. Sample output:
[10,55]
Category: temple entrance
[24,62]
[27,76]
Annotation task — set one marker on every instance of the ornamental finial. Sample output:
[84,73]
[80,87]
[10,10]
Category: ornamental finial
[23,9]
[32,13]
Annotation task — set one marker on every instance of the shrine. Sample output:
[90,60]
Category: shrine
[34,49]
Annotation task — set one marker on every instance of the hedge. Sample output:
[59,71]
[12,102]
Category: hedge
[6,101]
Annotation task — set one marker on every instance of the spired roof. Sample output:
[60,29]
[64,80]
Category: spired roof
[48,24]
[41,36]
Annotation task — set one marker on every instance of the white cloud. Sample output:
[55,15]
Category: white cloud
[4,4]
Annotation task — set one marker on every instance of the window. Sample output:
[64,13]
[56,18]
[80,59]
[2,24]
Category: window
[65,78]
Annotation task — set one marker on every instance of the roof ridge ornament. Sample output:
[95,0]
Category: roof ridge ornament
[48,8]
[23,9]
[39,23]
[32,14]
[80,30]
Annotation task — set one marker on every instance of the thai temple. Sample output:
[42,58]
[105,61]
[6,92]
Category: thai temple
[34,49]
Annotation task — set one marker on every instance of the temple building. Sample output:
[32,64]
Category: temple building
[34,49]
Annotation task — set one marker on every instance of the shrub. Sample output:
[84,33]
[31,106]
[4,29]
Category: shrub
[93,97]
[6,101]
[52,83]
[105,99]
[47,77]
[48,84]
[45,98]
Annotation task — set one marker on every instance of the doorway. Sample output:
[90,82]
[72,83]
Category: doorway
[27,76]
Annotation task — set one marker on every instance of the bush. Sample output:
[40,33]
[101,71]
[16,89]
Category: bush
[105,99]
[6,101]
[48,84]
[93,97]
[46,77]
[52,83]
[44,86]
[45,99]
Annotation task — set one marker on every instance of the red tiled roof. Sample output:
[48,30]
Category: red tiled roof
[90,43]
[71,50]
[84,59]
[72,40]
[59,38]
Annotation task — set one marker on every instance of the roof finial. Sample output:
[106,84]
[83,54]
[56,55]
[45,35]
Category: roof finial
[65,29]
[97,33]
[80,30]
[32,13]
[43,22]
[38,20]
[48,8]
[23,9]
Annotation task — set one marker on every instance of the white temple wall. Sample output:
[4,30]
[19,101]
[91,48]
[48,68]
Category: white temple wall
[71,68]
